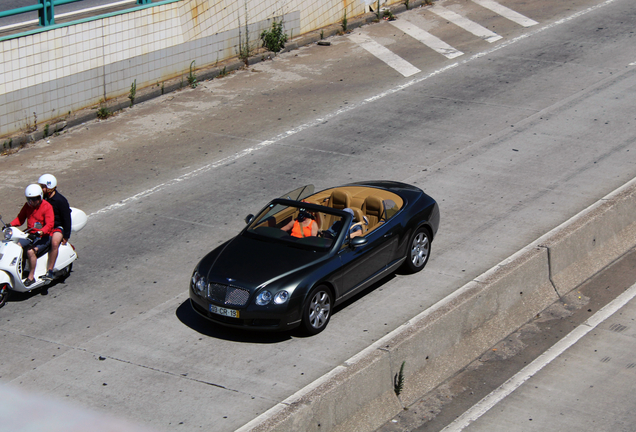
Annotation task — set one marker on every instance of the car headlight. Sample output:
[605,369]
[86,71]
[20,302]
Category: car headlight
[8,233]
[199,282]
[263,298]
[281,297]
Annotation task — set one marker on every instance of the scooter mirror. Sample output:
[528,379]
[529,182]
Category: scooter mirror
[37,225]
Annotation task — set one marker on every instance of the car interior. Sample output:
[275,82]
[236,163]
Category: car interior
[371,208]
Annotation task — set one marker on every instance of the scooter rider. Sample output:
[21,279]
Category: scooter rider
[62,227]
[35,210]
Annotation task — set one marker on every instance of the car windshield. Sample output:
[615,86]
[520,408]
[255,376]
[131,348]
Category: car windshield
[306,226]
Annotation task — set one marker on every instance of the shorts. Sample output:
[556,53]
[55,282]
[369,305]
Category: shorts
[42,244]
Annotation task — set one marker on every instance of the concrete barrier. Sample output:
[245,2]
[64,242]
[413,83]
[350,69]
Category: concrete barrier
[359,395]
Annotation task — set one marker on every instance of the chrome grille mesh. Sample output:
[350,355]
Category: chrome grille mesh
[227,294]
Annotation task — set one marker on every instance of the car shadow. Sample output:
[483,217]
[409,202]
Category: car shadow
[190,318]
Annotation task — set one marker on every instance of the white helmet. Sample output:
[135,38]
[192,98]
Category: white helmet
[49,180]
[32,191]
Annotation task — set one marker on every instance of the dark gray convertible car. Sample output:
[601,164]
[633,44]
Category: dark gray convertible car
[306,252]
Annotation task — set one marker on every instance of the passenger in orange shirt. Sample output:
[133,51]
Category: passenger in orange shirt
[303,226]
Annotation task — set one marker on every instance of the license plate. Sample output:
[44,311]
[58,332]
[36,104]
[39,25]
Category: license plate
[223,311]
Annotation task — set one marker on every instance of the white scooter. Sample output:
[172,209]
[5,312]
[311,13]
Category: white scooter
[14,267]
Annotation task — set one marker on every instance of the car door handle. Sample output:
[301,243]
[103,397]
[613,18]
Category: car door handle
[387,235]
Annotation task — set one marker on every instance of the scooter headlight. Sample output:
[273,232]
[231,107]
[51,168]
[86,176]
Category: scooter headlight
[8,233]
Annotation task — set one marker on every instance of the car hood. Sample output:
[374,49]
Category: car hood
[251,262]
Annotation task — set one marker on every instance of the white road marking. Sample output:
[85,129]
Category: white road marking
[384,54]
[350,107]
[468,25]
[632,64]
[481,407]
[506,12]
[426,38]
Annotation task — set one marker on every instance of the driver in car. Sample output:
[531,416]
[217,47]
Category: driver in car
[36,210]
[304,225]
[354,230]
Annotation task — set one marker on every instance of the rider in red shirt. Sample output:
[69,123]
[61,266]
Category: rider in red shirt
[35,210]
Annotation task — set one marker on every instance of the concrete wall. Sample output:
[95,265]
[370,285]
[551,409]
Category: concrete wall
[47,75]
[359,395]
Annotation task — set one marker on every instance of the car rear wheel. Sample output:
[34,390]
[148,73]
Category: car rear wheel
[419,250]
[317,310]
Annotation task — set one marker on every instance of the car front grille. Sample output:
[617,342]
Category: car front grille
[228,295]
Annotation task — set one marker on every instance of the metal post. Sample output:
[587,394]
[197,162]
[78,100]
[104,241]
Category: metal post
[46,13]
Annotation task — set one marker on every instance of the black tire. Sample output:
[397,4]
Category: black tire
[419,250]
[4,294]
[317,310]
[67,271]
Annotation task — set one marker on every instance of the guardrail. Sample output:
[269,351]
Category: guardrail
[45,9]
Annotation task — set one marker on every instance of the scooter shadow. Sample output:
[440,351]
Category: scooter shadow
[190,318]
[18,297]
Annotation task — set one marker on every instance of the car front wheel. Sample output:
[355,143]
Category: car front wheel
[419,250]
[317,310]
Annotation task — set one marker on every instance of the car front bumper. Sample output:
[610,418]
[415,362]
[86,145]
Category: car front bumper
[248,319]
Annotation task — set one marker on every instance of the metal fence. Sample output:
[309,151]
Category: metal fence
[45,9]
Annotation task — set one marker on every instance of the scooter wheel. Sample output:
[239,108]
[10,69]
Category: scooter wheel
[4,294]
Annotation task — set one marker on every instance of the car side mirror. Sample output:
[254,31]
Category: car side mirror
[358,241]
[249,218]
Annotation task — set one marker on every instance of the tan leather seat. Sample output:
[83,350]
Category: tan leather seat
[340,200]
[373,209]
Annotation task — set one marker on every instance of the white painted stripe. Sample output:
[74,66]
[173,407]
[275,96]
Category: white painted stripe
[350,107]
[468,25]
[426,38]
[506,12]
[384,54]
[632,64]
[484,405]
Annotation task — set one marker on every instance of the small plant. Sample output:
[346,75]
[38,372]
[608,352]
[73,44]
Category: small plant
[192,78]
[103,112]
[322,34]
[223,72]
[46,130]
[428,2]
[398,380]
[133,92]
[389,15]
[162,87]
[406,3]
[274,39]
[245,50]
[343,24]
[378,11]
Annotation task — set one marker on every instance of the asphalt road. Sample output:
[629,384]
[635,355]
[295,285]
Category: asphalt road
[512,138]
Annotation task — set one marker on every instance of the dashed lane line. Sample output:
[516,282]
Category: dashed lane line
[468,25]
[506,12]
[384,54]
[426,38]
